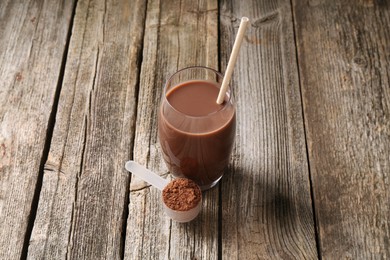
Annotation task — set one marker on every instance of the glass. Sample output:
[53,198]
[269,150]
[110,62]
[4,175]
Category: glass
[196,135]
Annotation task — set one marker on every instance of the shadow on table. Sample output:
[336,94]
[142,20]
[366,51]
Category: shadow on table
[265,202]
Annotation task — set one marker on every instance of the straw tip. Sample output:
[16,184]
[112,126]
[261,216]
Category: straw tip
[245,19]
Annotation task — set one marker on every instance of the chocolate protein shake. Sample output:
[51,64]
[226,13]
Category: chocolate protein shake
[196,134]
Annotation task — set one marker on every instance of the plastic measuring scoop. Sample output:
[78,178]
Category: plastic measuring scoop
[160,183]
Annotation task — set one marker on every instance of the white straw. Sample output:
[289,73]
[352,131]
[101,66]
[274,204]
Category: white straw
[232,59]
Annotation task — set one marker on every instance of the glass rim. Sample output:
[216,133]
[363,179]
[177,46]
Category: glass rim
[228,93]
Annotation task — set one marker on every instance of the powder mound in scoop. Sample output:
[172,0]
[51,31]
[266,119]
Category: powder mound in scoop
[181,194]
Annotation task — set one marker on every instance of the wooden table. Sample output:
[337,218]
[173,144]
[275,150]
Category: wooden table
[80,83]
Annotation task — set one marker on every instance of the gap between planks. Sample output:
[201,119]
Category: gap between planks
[315,221]
[127,195]
[49,135]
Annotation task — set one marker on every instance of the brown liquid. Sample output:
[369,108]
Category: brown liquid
[195,98]
[198,146]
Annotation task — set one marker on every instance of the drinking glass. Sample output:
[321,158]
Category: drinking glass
[197,147]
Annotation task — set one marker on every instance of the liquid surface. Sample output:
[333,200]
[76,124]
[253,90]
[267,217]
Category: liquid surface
[195,98]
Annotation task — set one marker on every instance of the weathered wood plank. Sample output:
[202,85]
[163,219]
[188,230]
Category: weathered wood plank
[344,63]
[33,36]
[177,35]
[266,202]
[81,212]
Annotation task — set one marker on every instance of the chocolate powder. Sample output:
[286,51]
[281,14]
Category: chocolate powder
[181,194]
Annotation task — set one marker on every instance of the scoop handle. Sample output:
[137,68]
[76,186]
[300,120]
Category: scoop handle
[146,175]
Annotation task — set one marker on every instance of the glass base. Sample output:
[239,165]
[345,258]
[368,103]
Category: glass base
[209,186]
[202,187]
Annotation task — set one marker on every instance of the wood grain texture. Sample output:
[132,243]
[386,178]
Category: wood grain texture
[83,202]
[177,35]
[266,203]
[33,36]
[345,80]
